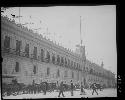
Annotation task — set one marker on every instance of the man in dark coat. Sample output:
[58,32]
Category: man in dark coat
[82,89]
[61,89]
[44,87]
[72,88]
[93,86]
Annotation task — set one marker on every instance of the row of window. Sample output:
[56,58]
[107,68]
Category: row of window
[94,79]
[55,59]
[62,61]
[16,69]
[48,71]
[91,71]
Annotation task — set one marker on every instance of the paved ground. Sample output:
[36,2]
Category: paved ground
[104,93]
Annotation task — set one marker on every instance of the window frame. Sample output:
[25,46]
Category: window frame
[17,67]
[6,40]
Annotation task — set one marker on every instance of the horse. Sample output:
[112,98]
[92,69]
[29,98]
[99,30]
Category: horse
[96,86]
[99,86]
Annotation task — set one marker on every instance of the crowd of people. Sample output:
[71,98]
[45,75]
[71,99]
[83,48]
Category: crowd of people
[16,88]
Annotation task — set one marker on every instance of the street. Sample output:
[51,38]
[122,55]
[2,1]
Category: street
[104,93]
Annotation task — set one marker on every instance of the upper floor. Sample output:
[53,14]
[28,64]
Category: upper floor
[17,40]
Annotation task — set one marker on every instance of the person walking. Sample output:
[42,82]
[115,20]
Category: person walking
[57,86]
[44,87]
[61,89]
[72,87]
[93,86]
[82,90]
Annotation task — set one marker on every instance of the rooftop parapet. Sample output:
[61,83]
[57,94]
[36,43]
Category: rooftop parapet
[38,35]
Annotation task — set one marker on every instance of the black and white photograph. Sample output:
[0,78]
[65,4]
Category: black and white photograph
[58,52]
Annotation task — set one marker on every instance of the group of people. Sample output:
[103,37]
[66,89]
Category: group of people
[61,89]
[16,88]
[44,87]
[93,86]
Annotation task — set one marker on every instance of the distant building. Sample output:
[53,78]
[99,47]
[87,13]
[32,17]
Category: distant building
[27,56]
[98,74]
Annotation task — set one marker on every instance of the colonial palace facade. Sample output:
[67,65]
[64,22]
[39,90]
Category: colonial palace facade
[28,56]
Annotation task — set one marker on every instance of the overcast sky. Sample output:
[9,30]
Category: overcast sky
[63,23]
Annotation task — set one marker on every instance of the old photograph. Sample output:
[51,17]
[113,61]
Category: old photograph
[58,52]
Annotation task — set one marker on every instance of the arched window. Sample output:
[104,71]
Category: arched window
[58,73]
[17,67]
[58,59]
[65,62]
[18,46]
[34,69]
[42,55]
[48,71]
[68,62]
[35,53]
[72,63]
[77,65]
[27,50]
[53,59]
[7,43]
[48,57]
[62,61]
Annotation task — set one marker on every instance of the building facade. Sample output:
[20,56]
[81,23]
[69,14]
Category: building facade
[28,56]
[98,74]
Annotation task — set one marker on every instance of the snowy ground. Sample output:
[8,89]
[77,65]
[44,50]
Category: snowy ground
[104,93]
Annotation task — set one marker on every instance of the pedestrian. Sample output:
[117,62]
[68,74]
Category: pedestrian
[82,90]
[61,89]
[57,86]
[72,87]
[44,87]
[93,86]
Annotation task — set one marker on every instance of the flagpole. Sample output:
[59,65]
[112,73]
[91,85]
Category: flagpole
[19,14]
[80,32]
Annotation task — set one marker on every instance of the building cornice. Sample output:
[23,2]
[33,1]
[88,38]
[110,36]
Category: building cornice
[38,38]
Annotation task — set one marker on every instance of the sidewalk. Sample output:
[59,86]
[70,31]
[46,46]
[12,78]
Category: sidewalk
[104,93]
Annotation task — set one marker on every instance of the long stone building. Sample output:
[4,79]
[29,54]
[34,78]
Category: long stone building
[28,56]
